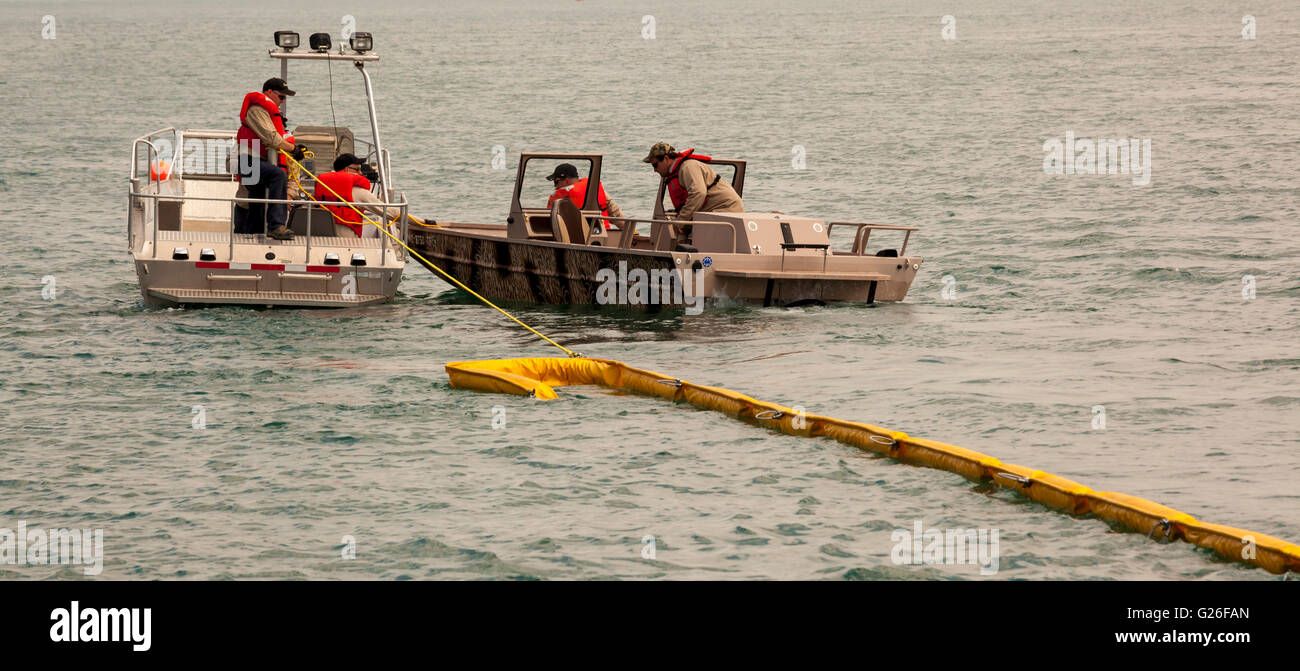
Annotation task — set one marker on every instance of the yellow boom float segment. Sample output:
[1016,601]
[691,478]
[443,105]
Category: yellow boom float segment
[537,376]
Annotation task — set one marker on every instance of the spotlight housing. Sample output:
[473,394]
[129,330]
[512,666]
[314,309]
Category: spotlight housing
[361,42]
[320,42]
[287,39]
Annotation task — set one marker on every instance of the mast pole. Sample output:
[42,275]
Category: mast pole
[374,131]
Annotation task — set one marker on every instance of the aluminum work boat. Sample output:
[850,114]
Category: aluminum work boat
[567,255]
[184,188]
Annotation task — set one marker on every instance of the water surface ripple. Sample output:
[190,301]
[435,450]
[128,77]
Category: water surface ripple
[1072,292]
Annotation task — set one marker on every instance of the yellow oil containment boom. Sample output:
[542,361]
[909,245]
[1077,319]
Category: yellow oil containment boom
[536,377]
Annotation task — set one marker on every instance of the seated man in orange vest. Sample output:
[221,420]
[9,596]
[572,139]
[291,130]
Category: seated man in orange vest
[568,185]
[345,184]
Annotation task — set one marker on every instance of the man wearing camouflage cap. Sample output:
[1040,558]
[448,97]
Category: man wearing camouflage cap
[691,183]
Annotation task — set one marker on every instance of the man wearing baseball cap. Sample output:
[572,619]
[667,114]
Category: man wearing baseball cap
[260,138]
[569,185]
[691,183]
[346,181]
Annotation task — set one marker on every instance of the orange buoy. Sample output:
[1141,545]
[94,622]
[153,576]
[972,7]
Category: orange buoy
[160,170]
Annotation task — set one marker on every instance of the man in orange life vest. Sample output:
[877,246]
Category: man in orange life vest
[568,185]
[261,135]
[343,181]
[692,184]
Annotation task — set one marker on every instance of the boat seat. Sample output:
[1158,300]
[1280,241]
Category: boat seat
[538,227]
[567,223]
[207,215]
[326,142]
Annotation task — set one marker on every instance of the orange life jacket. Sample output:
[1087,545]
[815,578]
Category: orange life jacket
[342,182]
[675,189]
[245,138]
[578,194]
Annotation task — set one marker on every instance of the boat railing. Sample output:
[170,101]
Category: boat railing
[138,199]
[210,153]
[153,153]
[628,233]
[863,233]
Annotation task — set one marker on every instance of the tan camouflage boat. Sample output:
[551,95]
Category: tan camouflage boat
[563,255]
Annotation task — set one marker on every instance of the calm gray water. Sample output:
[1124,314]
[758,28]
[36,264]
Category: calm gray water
[1072,291]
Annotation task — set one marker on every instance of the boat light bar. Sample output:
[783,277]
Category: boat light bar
[287,39]
[362,42]
[320,42]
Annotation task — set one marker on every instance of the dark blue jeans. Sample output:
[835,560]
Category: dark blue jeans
[263,179]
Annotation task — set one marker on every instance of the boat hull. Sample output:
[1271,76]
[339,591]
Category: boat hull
[175,283]
[546,272]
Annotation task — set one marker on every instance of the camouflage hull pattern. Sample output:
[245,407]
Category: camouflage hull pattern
[531,271]
[546,272]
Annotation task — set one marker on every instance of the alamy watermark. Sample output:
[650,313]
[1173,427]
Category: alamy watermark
[658,286]
[40,547]
[1084,156]
[946,546]
[949,30]
[76,624]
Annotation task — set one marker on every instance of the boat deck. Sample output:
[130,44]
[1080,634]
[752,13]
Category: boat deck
[252,239]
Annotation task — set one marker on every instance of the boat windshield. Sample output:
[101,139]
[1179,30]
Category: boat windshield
[536,188]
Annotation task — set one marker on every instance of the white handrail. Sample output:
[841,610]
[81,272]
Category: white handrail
[278,201]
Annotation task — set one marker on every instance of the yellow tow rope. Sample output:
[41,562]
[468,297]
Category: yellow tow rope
[293,177]
[416,254]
